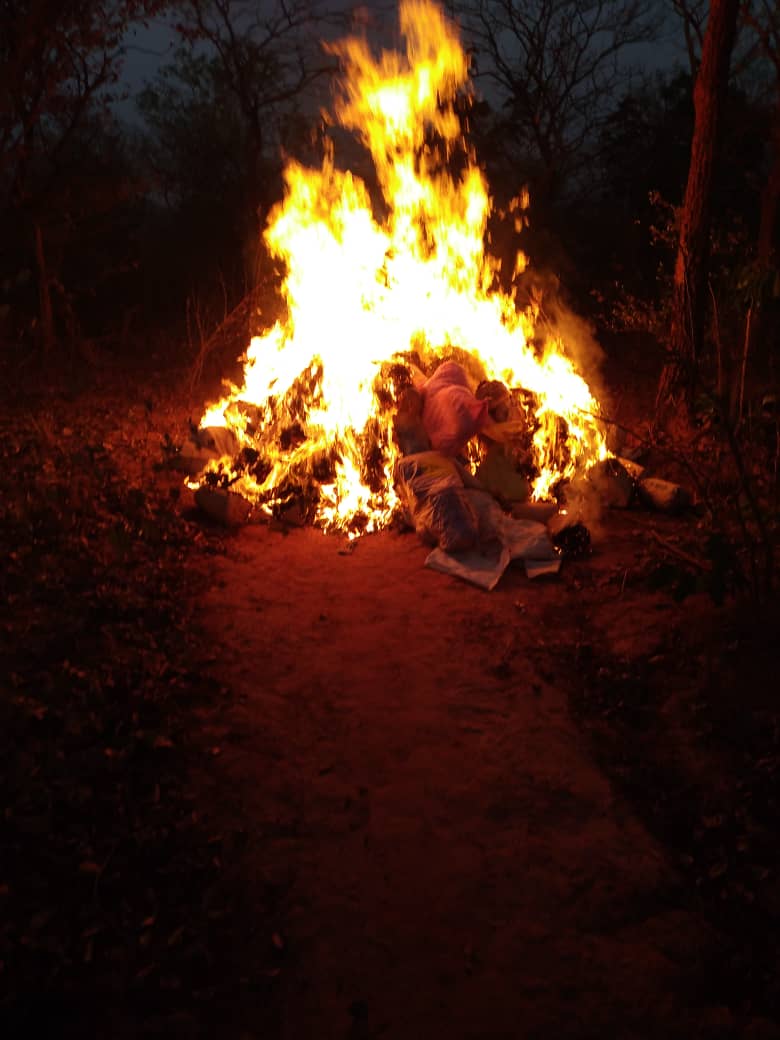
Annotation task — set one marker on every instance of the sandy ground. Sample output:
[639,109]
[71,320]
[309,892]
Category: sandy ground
[455,862]
[410,814]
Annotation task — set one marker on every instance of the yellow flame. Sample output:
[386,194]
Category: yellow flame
[361,289]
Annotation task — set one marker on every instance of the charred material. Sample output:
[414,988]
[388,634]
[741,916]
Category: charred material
[408,429]
[498,397]
[569,535]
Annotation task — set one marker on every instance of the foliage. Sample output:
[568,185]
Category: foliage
[268,54]
[58,65]
[242,87]
[192,149]
[112,884]
[645,142]
[264,63]
[555,67]
[631,222]
[55,59]
[748,61]
[196,136]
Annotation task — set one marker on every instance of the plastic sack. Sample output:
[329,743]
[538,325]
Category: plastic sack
[447,519]
[451,414]
[435,501]
[501,540]
[426,472]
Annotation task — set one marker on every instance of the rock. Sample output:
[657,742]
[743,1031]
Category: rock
[632,468]
[226,507]
[613,482]
[664,495]
[205,446]
[192,460]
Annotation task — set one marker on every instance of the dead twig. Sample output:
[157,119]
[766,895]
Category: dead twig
[650,441]
[743,370]
[702,565]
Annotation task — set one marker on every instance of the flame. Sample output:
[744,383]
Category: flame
[363,290]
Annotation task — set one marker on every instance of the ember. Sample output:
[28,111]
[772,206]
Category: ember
[367,296]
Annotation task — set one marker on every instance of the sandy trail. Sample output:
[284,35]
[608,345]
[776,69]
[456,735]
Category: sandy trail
[456,864]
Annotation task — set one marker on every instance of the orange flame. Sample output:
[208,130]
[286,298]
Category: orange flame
[362,291]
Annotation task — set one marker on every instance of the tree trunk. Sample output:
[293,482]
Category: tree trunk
[45,310]
[769,198]
[679,377]
[765,255]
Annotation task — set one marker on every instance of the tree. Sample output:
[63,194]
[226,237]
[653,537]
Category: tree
[57,63]
[763,19]
[265,57]
[193,138]
[692,15]
[556,67]
[192,150]
[691,266]
[644,151]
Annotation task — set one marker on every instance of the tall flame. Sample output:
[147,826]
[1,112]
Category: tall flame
[363,290]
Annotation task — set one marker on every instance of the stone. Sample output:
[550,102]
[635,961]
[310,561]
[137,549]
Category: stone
[226,507]
[613,482]
[632,468]
[664,495]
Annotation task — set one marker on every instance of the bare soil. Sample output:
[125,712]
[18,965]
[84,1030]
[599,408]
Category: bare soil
[267,784]
[417,763]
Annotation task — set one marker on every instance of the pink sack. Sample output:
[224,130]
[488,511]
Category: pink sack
[452,415]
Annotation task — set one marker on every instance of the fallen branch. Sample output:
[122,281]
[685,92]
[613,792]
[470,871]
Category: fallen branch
[673,550]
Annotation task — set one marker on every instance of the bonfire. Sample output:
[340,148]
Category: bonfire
[382,280]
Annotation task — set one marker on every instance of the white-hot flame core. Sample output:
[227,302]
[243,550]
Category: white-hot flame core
[360,290]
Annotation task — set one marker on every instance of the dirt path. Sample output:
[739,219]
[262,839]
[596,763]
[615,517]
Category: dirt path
[456,864]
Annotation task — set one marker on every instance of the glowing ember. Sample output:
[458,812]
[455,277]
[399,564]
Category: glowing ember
[365,293]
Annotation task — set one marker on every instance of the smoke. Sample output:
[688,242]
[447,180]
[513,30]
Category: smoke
[583,504]
[538,287]
[579,340]
[540,290]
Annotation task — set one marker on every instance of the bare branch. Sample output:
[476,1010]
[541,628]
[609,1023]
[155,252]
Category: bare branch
[556,66]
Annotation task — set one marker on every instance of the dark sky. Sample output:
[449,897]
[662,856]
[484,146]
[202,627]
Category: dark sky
[150,47]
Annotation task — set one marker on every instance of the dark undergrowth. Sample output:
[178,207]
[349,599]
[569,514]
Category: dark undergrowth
[691,736]
[122,912]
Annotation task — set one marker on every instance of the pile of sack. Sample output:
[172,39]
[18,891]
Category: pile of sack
[449,507]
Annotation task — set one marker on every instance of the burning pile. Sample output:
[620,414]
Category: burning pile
[374,284]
